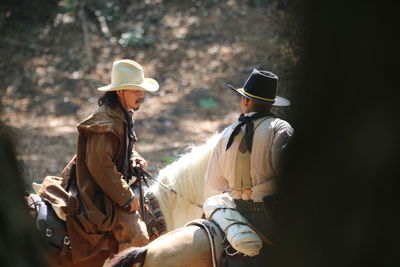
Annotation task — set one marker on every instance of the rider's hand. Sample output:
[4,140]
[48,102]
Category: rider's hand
[139,160]
[134,205]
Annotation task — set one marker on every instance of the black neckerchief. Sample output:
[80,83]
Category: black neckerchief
[249,132]
[128,172]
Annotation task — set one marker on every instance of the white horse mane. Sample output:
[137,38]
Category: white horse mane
[187,177]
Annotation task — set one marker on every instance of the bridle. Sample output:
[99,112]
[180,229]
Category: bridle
[145,175]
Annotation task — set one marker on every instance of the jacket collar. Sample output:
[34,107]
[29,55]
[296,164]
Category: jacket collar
[104,119]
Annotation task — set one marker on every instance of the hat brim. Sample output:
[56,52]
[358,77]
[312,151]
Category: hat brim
[279,101]
[148,84]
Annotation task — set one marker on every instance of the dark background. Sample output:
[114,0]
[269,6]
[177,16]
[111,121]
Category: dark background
[340,186]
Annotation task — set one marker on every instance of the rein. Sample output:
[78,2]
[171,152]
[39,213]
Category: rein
[168,188]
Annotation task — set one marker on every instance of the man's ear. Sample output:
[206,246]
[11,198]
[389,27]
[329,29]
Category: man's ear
[119,92]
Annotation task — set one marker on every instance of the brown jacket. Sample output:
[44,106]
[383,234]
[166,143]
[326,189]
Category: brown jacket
[101,152]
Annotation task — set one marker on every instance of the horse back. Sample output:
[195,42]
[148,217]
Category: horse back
[188,246]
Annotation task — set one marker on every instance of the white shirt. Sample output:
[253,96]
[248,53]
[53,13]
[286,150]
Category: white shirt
[269,139]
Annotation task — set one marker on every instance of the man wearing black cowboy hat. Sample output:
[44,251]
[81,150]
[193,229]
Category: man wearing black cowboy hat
[244,165]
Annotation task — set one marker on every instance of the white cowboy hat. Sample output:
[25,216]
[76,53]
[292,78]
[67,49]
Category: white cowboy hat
[128,75]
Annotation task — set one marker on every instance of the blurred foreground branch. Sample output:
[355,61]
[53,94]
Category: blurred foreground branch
[86,39]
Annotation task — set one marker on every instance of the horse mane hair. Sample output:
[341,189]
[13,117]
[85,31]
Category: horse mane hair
[127,257]
[187,177]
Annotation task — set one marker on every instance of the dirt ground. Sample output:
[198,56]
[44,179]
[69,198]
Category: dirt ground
[193,49]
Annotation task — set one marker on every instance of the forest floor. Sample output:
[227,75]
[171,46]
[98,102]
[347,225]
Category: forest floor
[191,49]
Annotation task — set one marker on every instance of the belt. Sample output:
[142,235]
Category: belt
[248,205]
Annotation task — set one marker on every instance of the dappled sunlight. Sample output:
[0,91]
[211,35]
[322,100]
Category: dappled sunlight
[179,24]
[192,48]
[200,127]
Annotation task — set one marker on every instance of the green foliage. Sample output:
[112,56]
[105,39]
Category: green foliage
[168,159]
[208,103]
[68,6]
[136,38]
[259,3]
[108,8]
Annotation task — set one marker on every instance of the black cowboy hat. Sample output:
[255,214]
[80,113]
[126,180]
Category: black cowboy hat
[261,86]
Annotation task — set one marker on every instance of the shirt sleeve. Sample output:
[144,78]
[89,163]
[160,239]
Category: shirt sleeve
[214,176]
[283,134]
[101,150]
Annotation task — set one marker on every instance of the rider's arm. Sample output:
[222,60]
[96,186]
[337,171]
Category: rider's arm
[100,152]
[283,133]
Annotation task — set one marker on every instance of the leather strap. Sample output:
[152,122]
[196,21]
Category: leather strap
[64,250]
[265,239]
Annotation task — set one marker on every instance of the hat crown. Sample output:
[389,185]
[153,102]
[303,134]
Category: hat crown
[262,84]
[126,72]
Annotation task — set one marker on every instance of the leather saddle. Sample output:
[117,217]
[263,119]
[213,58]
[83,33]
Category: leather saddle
[51,228]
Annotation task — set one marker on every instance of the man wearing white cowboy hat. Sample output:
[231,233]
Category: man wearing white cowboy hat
[104,161]
[245,165]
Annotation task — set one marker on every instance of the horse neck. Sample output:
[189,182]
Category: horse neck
[185,176]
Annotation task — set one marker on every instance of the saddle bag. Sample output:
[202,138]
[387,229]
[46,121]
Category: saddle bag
[52,228]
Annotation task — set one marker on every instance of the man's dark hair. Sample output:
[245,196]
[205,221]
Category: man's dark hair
[261,106]
[110,99]
[258,106]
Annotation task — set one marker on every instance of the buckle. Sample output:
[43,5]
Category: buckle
[66,240]
[48,232]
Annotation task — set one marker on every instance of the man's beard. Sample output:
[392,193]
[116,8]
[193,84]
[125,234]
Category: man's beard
[138,102]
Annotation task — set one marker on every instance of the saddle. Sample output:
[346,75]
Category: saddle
[215,236]
[50,226]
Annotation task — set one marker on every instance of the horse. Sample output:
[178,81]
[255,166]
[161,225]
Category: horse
[188,246]
[186,176]
[184,246]
[180,191]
